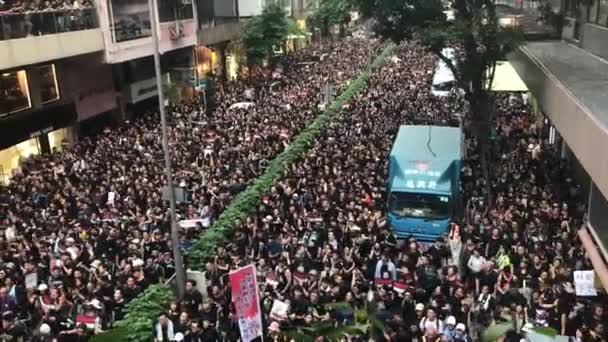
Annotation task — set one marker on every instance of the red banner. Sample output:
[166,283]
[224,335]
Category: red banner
[246,302]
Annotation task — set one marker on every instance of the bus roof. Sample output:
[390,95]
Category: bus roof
[423,154]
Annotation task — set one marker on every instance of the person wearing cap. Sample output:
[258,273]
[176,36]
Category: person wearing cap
[44,334]
[450,327]
[460,333]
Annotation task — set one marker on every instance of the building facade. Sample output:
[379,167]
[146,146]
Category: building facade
[568,77]
[65,72]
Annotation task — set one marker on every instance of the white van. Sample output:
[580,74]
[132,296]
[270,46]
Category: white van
[443,80]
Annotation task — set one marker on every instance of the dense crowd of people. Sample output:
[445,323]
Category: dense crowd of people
[19,6]
[86,229]
[321,235]
[23,18]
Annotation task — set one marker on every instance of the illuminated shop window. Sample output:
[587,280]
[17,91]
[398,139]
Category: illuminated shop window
[14,92]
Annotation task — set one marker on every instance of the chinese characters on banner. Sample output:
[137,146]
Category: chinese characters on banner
[246,302]
[584,283]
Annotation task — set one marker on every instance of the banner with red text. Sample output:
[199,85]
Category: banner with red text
[246,302]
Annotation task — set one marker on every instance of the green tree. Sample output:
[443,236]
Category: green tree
[481,41]
[328,13]
[261,34]
[364,324]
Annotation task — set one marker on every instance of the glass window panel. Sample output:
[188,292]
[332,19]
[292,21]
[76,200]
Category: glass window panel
[602,18]
[593,12]
[170,10]
[49,91]
[14,92]
[12,157]
[57,138]
[130,19]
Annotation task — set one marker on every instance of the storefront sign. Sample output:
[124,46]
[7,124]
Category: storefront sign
[145,89]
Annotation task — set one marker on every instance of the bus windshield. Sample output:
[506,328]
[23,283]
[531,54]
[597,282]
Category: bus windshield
[427,206]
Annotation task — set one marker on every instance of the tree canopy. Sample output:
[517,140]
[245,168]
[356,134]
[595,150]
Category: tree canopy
[330,12]
[261,34]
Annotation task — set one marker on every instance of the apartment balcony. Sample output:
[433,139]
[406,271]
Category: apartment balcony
[30,38]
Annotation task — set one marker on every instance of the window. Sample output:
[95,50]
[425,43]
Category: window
[130,19]
[427,206]
[14,92]
[205,12]
[171,10]
[592,12]
[572,7]
[12,157]
[602,15]
[57,138]
[49,91]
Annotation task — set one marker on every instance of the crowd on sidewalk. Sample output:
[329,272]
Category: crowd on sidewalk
[85,230]
[321,236]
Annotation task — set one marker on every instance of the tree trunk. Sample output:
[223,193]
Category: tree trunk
[482,121]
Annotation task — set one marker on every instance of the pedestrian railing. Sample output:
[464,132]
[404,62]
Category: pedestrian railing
[29,24]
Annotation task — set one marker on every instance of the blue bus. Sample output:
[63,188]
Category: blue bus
[424,181]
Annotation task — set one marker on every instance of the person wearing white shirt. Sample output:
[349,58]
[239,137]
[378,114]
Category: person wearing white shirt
[431,322]
[476,262]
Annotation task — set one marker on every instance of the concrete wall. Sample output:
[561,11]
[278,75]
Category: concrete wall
[595,39]
[38,49]
[219,33]
[573,120]
[134,49]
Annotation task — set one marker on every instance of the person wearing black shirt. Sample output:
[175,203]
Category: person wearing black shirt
[299,306]
[208,312]
[196,333]
[192,297]
[12,331]
[209,333]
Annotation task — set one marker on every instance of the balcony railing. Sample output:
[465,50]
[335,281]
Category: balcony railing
[22,25]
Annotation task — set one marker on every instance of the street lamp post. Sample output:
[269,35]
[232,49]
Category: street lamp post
[180,276]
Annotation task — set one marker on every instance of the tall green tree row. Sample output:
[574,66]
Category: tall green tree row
[481,41]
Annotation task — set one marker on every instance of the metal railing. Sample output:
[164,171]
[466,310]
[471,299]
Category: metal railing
[28,24]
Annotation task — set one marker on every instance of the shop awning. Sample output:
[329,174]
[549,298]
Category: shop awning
[507,79]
